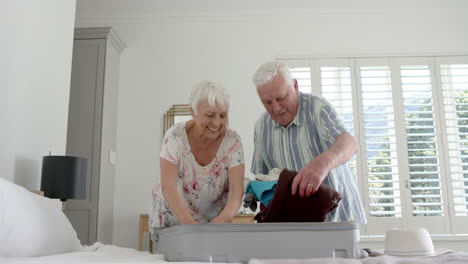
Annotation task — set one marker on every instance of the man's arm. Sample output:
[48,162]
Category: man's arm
[310,177]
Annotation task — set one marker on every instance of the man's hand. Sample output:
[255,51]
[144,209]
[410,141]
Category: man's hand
[308,180]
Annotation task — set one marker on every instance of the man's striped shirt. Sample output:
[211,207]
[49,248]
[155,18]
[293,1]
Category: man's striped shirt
[313,130]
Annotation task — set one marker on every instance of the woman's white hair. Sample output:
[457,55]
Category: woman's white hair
[267,71]
[213,93]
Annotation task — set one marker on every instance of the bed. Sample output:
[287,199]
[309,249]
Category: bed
[33,229]
[99,254]
[449,258]
[95,254]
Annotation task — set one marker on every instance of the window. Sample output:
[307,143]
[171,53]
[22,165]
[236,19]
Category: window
[410,117]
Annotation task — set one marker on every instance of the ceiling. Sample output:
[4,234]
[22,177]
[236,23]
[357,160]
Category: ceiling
[131,8]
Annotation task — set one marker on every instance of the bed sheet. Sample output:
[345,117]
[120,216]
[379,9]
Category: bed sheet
[449,258]
[95,254]
[99,254]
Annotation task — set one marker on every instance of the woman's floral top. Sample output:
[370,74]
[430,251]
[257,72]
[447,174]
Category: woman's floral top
[203,188]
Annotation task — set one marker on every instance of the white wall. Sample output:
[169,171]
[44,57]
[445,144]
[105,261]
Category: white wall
[168,52]
[34,101]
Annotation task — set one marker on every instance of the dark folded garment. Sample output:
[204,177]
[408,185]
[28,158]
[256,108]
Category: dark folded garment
[286,207]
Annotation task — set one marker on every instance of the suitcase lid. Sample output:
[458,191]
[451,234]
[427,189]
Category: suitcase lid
[259,227]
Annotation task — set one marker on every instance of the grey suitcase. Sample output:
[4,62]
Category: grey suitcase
[241,242]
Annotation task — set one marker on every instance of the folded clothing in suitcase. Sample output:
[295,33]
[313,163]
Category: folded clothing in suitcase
[241,242]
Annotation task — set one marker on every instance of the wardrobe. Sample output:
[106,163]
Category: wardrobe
[92,124]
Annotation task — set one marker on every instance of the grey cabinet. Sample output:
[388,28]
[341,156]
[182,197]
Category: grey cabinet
[92,123]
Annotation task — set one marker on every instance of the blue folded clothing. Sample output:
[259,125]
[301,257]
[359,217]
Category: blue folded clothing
[263,190]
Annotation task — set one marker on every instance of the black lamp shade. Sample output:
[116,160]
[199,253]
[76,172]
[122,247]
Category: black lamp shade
[64,177]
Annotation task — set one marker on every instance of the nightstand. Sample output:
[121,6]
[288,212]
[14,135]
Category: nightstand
[243,219]
[144,227]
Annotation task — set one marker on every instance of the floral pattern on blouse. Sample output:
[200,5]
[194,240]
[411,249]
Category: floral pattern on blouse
[204,189]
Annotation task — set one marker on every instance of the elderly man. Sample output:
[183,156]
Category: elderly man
[302,132]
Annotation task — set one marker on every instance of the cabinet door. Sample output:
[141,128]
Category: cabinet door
[84,130]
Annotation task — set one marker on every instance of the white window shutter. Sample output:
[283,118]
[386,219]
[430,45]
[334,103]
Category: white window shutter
[453,74]
[336,87]
[424,183]
[301,71]
[382,165]
[382,199]
[302,75]
[424,171]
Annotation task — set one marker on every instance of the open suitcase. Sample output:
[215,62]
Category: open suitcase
[241,242]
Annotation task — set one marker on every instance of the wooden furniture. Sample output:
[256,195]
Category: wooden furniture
[41,193]
[243,219]
[92,126]
[144,227]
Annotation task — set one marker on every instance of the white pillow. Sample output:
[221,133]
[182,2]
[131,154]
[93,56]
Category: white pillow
[32,225]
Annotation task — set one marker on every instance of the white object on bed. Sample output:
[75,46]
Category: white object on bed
[33,225]
[408,242]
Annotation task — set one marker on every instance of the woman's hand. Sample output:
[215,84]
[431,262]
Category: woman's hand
[221,220]
[236,191]
[187,221]
[169,178]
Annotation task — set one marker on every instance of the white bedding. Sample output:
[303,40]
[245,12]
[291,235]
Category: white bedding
[449,258]
[95,254]
[99,254]
[50,232]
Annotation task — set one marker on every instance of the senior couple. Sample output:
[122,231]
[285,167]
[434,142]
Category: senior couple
[202,163]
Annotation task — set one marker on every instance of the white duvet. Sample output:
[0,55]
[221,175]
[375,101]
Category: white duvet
[449,258]
[95,254]
[99,254]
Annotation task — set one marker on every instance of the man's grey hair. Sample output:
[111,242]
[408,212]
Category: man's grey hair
[213,93]
[269,70]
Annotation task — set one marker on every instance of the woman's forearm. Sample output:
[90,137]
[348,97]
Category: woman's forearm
[233,204]
[177,204]
[236,192]
[169,179]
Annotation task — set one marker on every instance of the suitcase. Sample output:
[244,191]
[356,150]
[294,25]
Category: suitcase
[241,242]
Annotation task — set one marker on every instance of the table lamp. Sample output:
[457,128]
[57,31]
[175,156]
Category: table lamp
[64,177]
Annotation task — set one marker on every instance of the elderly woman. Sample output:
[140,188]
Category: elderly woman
[202,166]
